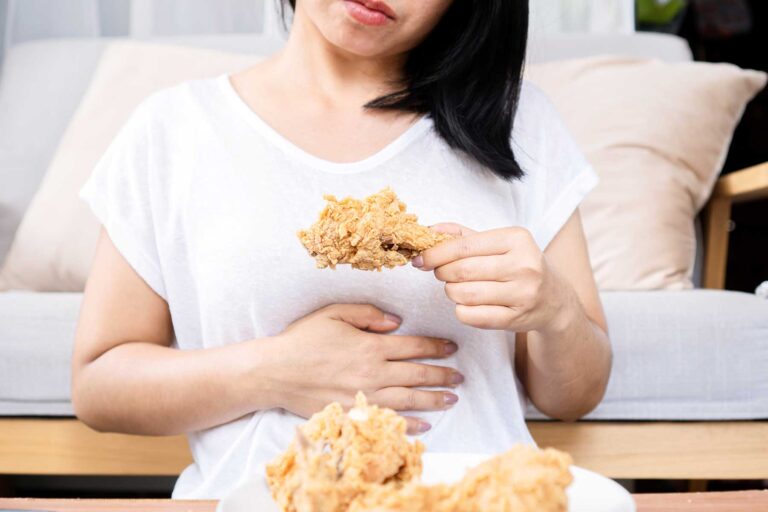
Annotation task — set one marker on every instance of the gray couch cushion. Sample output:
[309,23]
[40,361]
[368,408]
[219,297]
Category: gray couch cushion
[689,355]
[36,336]
[643,45]
[686,355]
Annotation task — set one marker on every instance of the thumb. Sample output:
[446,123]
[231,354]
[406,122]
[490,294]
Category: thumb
[452,228]
[364,316]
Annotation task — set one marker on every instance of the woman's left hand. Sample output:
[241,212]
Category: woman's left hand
[499,279]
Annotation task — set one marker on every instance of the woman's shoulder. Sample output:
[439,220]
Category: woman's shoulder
[542,140]
[538,125]
[179,101]
[533,105]
[530,93]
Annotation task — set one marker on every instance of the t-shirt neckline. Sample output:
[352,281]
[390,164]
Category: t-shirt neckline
[297,153]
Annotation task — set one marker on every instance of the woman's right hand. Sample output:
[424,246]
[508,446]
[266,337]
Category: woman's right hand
[334,352]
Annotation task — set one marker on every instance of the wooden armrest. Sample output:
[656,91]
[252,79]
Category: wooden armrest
[745,185]
[736,187]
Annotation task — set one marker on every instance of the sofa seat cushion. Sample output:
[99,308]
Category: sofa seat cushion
[686,355]
[37,332]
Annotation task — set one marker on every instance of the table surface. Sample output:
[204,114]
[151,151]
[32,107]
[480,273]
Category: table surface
[743,501]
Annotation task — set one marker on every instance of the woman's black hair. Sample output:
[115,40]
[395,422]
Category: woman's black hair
[466,75]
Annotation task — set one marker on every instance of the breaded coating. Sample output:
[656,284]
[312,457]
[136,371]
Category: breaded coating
[524,479]
[369,234]
[363,461]
[337,456]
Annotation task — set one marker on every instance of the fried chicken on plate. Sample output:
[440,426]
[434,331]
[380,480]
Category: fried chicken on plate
[337,456]
[362,461]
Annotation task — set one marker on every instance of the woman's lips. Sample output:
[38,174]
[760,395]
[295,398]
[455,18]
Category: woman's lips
[369,12]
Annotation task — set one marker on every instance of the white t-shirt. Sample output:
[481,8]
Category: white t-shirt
[204,200]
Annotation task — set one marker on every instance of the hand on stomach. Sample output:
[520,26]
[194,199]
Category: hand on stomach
[336,351]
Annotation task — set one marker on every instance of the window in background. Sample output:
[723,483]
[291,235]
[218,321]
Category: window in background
[36,19]
[27,20]
[582,16]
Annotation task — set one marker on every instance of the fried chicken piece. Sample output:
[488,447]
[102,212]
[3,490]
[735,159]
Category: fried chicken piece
[338,456]
[369,234]
[412,497]
[363,461]
[524,479]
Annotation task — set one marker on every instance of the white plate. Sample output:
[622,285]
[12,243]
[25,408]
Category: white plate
[589,491]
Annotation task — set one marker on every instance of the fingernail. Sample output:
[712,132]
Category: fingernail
[450,348]
[450,398]
[457,378]
[418,262]
[393,318]
[424,426]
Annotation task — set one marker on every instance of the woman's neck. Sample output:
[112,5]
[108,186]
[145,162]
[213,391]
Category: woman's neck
[331,73]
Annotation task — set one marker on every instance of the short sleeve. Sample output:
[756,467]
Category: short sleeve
[119,192]
[558,176]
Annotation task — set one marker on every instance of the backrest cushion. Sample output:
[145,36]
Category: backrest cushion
[658,134]
[54,243]
[41,86]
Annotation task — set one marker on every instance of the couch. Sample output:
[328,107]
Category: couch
[688,396]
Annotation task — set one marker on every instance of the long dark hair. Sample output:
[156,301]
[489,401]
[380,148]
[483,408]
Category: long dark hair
[467,75]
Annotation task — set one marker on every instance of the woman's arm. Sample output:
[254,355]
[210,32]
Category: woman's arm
[565,365]
[500,279]
[127,378]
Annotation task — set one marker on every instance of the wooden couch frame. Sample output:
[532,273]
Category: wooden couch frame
[665,450]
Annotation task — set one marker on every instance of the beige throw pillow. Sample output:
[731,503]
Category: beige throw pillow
[657,134]
[55,242]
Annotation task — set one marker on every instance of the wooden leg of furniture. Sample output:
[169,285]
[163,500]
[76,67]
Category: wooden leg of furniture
[717,219]
[736,187]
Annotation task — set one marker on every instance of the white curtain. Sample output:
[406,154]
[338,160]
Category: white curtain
[554,16]
[36,19]
[24,20]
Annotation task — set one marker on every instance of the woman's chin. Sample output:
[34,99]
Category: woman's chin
[362,45]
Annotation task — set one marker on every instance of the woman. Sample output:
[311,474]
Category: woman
[204,315]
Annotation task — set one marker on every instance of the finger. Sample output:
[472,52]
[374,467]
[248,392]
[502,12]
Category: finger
[416,347]
[363,316]
[486,317]
[416,426]
[452,228]
[487,243]
[480,293]
[419,374]
[409,399]
[476,268]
